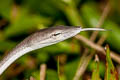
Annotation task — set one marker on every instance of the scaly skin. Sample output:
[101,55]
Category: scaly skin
[40,39]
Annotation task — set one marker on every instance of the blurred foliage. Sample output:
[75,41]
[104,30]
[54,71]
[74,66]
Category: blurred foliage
[110,72]
[20,18]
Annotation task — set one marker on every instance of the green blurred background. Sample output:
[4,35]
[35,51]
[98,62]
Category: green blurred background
[20,18]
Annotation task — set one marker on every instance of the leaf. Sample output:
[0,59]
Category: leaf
[95,74]
[5,8]
[101,67]
[111,73]
[51,75]
[24,23]
[70,69]
[6,45]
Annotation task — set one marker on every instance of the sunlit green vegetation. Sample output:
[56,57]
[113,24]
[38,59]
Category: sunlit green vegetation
[20,18]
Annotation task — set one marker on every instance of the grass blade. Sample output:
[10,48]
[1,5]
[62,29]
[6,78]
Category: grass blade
[111,73]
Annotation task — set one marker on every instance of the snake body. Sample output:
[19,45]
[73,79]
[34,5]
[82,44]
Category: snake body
[40,39]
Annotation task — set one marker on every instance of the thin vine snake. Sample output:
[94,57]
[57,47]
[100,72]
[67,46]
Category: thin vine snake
[40,39]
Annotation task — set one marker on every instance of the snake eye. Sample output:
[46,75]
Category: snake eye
[56,34]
